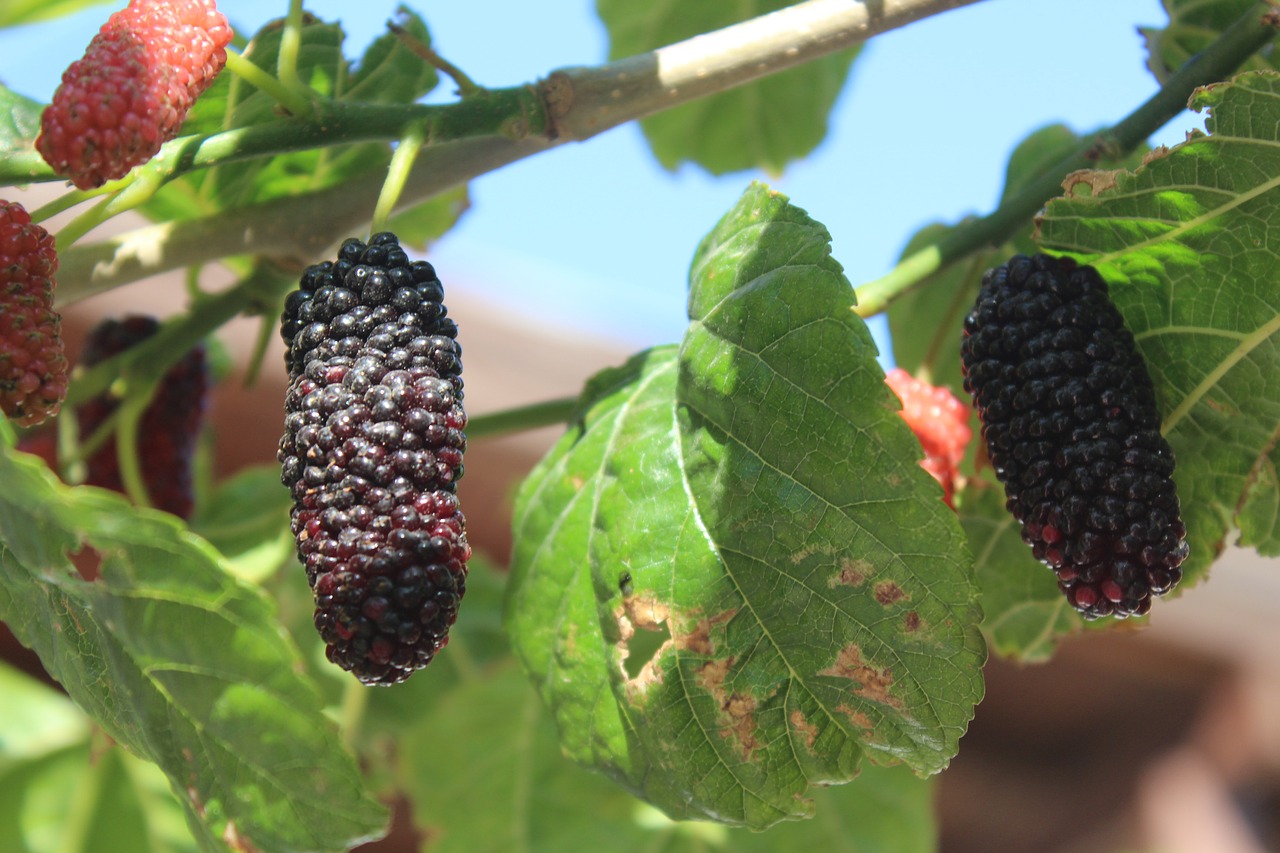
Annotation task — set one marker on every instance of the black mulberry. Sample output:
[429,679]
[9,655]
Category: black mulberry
[169,431]
[372,451]
[1070,421]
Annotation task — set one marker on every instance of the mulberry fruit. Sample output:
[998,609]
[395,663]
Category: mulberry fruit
[940,422]
[169,430]
[1070,421]
[132,89]
[372,451]
[33,364]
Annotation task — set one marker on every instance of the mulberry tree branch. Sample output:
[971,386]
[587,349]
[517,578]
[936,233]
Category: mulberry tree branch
[470,138]
[1250,33]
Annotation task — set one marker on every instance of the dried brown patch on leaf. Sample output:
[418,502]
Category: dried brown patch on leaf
[738,710]
[698,639]
[807,729]
[852,573]
[1096,180]
[911,621]
[645,613]
[873,683]
[859,719]
[888,592]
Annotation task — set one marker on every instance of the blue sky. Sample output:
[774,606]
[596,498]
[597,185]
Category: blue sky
[597,236]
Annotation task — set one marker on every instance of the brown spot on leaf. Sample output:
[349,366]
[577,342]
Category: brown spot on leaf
[859,719]
[1157,153]
[1097,181]
[911,621]
[804,727]
[233,839]
[698,639]
[738,709]
[873,683]
[645,611]
[852,573]
[888,592]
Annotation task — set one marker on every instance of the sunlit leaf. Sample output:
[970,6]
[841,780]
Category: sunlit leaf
[731,579]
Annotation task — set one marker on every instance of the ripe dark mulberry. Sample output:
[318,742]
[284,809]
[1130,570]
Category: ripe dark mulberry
[1069,417]
[169,431]
[372,451]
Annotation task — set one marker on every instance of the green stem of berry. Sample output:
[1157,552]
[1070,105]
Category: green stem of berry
[290,47]
[355,700]
[288,97]
[80,449]
[127,434]
[415,135]
[1250,33]
[84,223]
[548,413]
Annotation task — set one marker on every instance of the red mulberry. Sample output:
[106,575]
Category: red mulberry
[132,89]
[1069,417]
[940,422]
[33,366]
[372,450]
[169,431]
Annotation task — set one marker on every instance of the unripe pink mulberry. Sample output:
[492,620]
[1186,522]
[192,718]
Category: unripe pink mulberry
[940,422]
[132,89]
[33,366]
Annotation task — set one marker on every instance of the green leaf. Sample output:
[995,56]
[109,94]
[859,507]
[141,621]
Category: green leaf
[36,720]
[1193,26]
[423,224]
[177,661]
[1188,245]
[14,12]
[390,72]
[33,799]
[19,120]
[731,579]
[246,517]
[509,788]
[764,124]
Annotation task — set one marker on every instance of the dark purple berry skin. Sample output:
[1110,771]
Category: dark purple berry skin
[1069,417]
[372,451]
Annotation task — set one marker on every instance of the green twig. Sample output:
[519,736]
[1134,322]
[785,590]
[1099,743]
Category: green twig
[415,135]
[288,97]
[355,700]
[84,223]
[1237,43]
[151,358]
[131,410]
[537,415]
[290,47]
